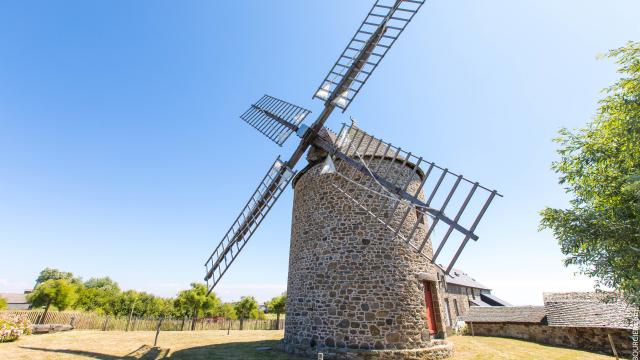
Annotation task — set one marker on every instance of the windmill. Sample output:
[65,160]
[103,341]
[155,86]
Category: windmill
[406,199]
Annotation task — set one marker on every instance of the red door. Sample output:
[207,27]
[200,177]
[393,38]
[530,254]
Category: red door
[431,316]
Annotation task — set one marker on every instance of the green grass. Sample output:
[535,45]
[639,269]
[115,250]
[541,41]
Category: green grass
[238,345]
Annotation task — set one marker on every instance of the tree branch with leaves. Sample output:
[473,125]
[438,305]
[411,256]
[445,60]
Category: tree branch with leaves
[600,167]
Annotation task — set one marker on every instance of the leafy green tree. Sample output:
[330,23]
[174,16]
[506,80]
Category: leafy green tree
[600,167]
[91,299]
[277,306]
[3,303]
[60,293]
[246,308]
[98,294]
[166,307]
[147,305]
[228,311]
[125,303]
[103,283]
[195,302]
[55,274]
[258,314]
[212,306]
[153,306]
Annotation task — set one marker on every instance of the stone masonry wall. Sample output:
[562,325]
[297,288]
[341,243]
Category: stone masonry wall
[352,286]
[463,305]
[591,339]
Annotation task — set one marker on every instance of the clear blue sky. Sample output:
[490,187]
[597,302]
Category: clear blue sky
[122,154]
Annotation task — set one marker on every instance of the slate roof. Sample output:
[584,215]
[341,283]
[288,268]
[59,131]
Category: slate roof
[458,277]
[505,314]
[493,300]
[478,302]
[588,310]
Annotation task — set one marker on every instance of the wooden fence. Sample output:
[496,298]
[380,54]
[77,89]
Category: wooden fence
[91,321]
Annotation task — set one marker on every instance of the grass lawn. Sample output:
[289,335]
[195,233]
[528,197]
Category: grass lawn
[490,348]
[239,345]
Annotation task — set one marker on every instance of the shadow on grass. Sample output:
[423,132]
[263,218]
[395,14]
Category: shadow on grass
[144,352]
[237,350]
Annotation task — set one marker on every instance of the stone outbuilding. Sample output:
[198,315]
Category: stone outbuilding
[588,321]
[462,292]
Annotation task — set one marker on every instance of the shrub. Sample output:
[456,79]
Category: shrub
[462,329]
[13,326]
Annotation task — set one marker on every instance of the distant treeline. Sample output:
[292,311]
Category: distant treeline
[62,290]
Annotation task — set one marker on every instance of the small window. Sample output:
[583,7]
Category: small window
[455,307]
[419,216]
[447,312]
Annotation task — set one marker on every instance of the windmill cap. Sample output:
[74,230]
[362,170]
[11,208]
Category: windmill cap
[367,147]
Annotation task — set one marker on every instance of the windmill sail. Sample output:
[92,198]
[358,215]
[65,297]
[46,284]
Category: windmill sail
[258,206]
[275,118]
[416,195]
[376,35]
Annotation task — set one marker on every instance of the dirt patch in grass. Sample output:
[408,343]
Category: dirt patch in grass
[243,345]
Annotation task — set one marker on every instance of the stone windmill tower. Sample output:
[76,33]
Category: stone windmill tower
[364,277]
[351,285]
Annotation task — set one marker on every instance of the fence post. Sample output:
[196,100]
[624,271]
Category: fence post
[229,329]
[128,322]
[106,321]
[184,318]
[131,313]
[155,341]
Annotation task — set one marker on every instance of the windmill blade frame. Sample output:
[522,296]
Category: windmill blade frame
[275,118]
[380,29]
[255,210]
[354,147]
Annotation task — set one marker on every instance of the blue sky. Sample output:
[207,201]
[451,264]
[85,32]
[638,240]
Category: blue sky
[122,154]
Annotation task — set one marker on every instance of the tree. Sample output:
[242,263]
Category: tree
[3,303]
[98,294]
[245,308]
[103,283]
[60,293]
[277,306]
[196,302]
[600,167]
[212,306]
[124,303]
[55,274]
[228,311]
